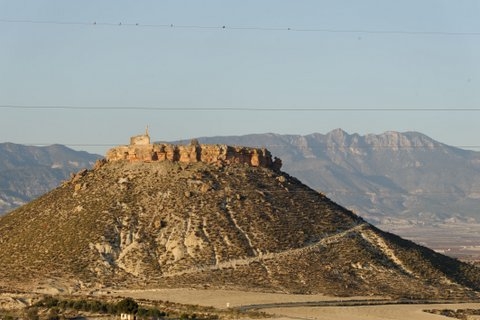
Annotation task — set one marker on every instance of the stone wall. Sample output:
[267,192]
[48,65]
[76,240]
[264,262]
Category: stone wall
[143,139]
[194,152]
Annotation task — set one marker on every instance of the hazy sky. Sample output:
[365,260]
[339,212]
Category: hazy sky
[115,77]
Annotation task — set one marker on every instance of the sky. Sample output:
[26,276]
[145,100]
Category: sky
[91,73]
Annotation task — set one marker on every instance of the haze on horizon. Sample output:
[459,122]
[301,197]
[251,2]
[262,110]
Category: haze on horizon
[191,69]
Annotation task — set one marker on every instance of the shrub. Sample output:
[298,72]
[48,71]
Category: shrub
[142,313]
[7,317]
[32,314]
[80,305]
[127,305]
[112,308]
[53,314]
[156,314]
[48,302]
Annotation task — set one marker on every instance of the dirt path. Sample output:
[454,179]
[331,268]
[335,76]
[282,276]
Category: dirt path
[268,256]
[385,312]
[222,298]
[341,303]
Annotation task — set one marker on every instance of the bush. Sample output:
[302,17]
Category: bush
[7,317]
[97,306]
[32,314]
[112,308]
[48,302]
[127,305]
[53,314]
[142,313]
[80,305]
[155,313]
[64,304]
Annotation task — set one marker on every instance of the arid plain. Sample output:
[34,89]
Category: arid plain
[237,299]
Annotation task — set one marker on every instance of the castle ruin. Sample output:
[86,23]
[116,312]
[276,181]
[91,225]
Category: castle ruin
[141,149]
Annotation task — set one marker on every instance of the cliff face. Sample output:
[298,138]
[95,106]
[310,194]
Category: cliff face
[142,150]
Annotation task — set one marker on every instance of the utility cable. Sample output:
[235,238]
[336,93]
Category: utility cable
[243,28]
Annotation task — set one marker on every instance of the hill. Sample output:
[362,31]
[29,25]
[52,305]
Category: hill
[390,178]
[217,217]
[27,172]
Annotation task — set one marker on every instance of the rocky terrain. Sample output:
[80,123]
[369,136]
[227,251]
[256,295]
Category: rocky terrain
[136,224]
[390,178]
[140,149]
[27,172]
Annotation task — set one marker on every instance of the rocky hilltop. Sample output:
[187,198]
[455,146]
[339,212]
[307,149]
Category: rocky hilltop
[235,225]
[140,149]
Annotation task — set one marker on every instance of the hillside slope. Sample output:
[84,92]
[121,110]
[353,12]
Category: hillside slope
[165,224]
[386,178]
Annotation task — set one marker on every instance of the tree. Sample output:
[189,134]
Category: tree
[127,305]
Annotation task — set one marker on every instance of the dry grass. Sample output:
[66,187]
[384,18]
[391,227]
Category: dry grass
[171,225]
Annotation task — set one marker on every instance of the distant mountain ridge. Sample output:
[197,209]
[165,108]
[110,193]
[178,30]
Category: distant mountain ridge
[389,178]
[394,177]
[27,172]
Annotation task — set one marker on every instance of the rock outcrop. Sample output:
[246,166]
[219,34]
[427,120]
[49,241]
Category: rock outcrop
[140,149]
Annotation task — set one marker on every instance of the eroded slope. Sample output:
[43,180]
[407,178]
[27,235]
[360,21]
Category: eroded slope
[171,224]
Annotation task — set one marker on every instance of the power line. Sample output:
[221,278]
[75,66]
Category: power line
[279,146]
[246,109]
[243,28]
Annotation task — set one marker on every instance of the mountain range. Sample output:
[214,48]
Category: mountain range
[27,172]
[386,178]
[390,178]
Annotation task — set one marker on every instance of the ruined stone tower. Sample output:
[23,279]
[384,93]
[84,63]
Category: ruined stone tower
[141,149]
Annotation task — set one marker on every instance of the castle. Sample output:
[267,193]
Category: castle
[141,149]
